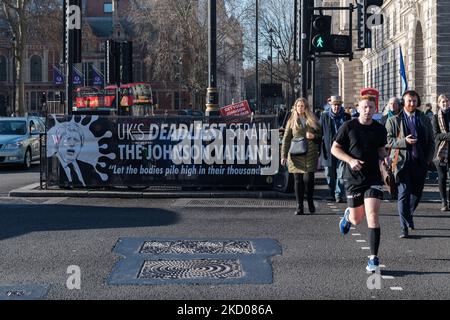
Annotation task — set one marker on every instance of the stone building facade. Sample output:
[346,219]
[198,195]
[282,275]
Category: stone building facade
[420,29]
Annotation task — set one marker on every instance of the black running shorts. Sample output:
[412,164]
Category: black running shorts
[357,194]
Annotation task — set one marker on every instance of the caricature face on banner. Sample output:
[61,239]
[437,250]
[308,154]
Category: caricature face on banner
[105,151]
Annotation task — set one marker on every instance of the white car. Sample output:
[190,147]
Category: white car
[19,140]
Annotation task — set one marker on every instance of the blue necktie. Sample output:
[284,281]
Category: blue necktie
[413,131]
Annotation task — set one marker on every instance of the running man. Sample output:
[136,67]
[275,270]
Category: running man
[360,143]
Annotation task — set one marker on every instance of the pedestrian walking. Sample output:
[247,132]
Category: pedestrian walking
[302,124]
[428,110]
[392,109]
[410,137]
[442,140]
[330,122]
[361,145]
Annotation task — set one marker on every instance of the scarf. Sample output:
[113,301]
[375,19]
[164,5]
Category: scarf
[442,154]
[338,118]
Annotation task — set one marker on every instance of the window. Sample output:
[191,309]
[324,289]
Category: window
[107,7]
[36,69]
[3,67]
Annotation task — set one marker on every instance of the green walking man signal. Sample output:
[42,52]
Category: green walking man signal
[319,43]
[322,41]
[320,32]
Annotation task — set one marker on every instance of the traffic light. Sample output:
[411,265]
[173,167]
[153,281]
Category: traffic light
[340,44]
[320,33]
[368,18]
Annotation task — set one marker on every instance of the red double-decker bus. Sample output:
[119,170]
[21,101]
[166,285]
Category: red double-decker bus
[87,98]
[136,99]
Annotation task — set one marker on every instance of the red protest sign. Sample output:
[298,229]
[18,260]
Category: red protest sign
[237,109]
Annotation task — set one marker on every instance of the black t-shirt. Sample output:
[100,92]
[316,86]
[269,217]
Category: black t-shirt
[362,142]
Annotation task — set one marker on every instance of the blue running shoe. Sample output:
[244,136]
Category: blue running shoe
[345,225]
[373,265]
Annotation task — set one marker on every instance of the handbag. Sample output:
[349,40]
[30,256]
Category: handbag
[299,147]
[389,179]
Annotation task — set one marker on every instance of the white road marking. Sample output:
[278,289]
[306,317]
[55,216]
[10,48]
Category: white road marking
[396,288]
[365,248]
[388,277]
[356,234]
[55,200]
[361,241]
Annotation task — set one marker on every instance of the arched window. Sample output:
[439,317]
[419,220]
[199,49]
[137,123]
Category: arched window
[36,69]
[3,68]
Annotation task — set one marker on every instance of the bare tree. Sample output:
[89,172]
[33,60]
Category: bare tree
[174,36]
[277,15]
[25,19]
[277,20]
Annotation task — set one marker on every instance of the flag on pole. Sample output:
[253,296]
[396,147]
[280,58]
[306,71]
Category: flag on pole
[77,77]
[98,77]
[58,78]
[403,73]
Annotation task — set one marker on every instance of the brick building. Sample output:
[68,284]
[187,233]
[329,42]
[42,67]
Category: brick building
[100,22]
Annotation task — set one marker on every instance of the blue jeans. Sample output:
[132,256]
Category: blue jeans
[410,189]
[335,180]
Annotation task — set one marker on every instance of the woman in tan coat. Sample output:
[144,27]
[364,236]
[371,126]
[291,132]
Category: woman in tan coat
[302,123]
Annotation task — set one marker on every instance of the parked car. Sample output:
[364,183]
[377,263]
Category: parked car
[19,140]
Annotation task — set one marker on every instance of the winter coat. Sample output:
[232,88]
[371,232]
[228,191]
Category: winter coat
[397,129]
[308,162]
[440,136]
[329,133]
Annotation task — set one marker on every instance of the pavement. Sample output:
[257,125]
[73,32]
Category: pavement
[430,195]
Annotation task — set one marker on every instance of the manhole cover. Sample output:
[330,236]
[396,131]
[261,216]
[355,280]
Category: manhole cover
[197,247]
[191,269]
[231,203]
[165,261]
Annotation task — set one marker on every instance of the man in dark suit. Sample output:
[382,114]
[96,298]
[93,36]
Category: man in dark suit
[410,135]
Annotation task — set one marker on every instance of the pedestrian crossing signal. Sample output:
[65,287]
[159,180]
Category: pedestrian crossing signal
[319,42]
[320,32]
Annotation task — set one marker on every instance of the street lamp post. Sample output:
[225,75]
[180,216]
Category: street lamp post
[179,61]
[212,97]
[257,106]
[14,75]
[278,59]
[271,55]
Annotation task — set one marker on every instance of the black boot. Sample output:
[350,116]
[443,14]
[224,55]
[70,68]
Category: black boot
[311,206]
[300,210]
[448,206]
